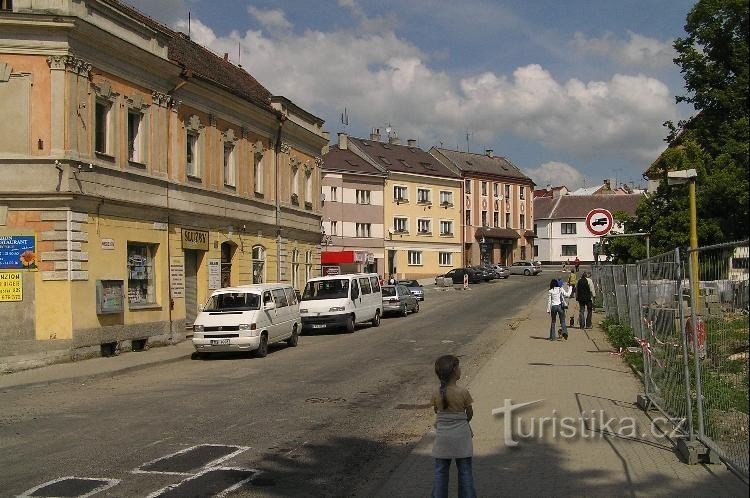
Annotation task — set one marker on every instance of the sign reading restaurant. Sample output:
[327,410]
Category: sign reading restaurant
[195,239]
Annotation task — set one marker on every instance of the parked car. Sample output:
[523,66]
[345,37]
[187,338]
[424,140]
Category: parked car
[341,301]
[525,268]
[414,287]
[398,299]
[501,271]
[486,274]
[457,275]
[247,318]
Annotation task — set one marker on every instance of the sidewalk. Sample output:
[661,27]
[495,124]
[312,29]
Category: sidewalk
[572,377]
[97,367]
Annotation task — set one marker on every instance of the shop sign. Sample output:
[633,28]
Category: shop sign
[214,274]
[360,256]
[195,239]
[18,252]
[176,277]
[108,244]
[331,270]
[11,286]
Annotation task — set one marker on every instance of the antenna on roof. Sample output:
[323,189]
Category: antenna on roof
[189,25]
[239,54]
[345,117]
[468,137]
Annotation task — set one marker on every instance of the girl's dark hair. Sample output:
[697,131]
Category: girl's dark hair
[552,283]
[444,368]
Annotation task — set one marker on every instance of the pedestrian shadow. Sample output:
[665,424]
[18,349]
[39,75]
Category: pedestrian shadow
[539,338]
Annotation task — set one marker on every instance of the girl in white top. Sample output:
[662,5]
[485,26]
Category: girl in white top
[555,299]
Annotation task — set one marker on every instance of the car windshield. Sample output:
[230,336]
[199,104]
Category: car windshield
[409,283]
[326,289]
[233,301]
[388,291]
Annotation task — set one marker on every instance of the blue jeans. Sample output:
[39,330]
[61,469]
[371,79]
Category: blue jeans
[465,478]
[553,312]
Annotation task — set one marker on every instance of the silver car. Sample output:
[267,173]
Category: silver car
[398,299]
[525,268]
[501,271]
[414,287]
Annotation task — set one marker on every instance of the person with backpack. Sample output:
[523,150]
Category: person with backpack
[585,296]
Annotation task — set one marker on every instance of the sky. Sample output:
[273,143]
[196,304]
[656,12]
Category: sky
[571,91]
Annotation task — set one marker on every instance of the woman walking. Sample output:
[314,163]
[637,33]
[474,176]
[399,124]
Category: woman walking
[556,305]
[452,405]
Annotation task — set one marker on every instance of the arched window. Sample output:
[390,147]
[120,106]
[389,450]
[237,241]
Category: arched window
[295,269]
[308,266]
[259,264]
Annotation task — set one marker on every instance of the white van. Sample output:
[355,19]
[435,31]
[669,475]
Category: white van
[247,318]
[341,301]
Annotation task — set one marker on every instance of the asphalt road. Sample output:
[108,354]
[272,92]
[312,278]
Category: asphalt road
[331,417]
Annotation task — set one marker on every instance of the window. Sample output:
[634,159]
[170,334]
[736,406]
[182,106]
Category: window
[308,265]
[423,196]
[258,173]
[484,188]
[191,155]
[415,258]
[507,191]
[507,220]
[496,219]
[102,114]
[569,250]
[364,285]
[259,264]
[445,258]
[484,218]
[467,186]
[295,268]
[375,283]
[400,225]
[567,228]
[334,194]
[279,296]
[141,278]
[295,183]
[536,251]
[229,169]
[468,217]
[424,226]
[400,194]
[308,190]
[291,297]
[522,222]
[134,137]
[364,229]
[446,198]
[522,192]
[496,189]
[363,197]
[334,228]
[535,229]
[6,4]
[446,227]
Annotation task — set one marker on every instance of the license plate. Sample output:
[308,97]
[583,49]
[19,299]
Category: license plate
[319,325]
[219,342]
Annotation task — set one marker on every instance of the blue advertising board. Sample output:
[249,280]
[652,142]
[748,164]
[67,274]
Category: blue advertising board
[18,252]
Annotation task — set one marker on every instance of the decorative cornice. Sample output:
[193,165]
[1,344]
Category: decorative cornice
[70,63]
[285,148]
[136,102]
[104,90]
[229,136]
[164,100]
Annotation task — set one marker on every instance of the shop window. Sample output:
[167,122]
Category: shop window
[141,278]
[6,4]
[415,258]
[259,264]
[523,252]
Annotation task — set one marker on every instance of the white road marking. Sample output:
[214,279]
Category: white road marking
[239,449]
[157,442]
[223,493]
[108,484]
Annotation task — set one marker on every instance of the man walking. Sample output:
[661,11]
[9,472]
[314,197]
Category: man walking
[585,296]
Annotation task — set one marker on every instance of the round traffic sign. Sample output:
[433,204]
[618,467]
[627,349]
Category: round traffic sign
[599,221]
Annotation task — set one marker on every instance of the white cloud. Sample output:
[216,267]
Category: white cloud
[271,19]
[637,50]
[380,77]
[199,32]
[555,174]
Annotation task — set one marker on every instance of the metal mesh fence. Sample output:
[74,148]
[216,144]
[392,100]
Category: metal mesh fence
[718,332]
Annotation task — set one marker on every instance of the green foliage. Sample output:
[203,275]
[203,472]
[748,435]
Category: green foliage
[622,336]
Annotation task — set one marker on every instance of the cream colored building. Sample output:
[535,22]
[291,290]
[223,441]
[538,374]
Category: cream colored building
[140,171]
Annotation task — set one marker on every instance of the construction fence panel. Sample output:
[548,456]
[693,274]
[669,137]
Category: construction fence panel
[719,334]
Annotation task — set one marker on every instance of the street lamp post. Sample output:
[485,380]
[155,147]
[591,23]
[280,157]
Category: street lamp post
[689,176]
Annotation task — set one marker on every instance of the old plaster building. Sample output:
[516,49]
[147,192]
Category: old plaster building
[140,171]
[496,205]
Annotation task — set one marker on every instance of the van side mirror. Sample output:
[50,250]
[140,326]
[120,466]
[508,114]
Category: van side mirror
[270,306]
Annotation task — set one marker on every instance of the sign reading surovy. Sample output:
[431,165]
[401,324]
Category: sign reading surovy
[599,221]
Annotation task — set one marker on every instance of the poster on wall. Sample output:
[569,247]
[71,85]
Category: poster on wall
[214,274]
[110,296]
[11,286]
[18,252]
[176,277]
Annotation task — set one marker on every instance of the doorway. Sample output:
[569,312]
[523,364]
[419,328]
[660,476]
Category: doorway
[227,254]
[191,287]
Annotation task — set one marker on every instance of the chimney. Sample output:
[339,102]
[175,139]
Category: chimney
[412,142]
[607,184]
[324,150]
[394,140]
[226,56]
[343,140]
[489,152]
[375,135]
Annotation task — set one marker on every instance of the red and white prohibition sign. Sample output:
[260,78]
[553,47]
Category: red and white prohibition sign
[599,222]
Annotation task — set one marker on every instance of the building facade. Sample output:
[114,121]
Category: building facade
[353,224]
[560,224]
[497,206]
[140,173]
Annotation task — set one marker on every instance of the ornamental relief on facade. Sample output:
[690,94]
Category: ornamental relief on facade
[70,63]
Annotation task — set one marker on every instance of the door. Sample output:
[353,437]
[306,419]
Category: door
[191,288]
[357,300]
[281,316]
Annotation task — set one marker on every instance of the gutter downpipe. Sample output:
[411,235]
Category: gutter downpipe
[277,153]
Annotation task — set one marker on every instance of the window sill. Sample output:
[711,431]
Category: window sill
[148,306]
[231,187]
[446,235]
[105,156]
[401,201]
[424,233]
[137,164]
[424,203]
[308,205]
[446,205]
[258,195]
[194,178]
[415,264]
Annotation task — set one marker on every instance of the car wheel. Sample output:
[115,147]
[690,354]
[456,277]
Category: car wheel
[198,356]
[376,321]
[526,272]
[350,323]
[262,350]
[404,310]
[416,307]
[294,340]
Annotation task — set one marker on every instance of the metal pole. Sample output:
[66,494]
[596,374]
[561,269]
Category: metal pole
[641,316]
[694,246]
[693,320]
[648,245]
[686,363]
